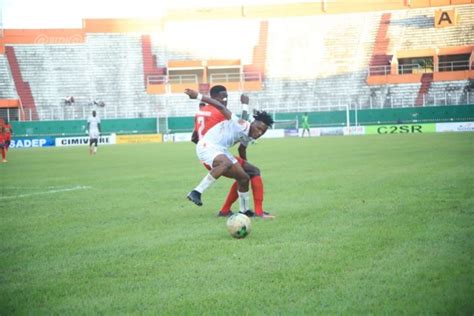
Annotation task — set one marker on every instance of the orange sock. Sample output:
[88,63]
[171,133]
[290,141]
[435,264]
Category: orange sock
[232,196]
[257,190]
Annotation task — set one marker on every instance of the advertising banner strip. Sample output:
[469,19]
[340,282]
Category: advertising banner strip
[455,127]
[140,138]
[83,140]
[22,142]
[401,129]
[182,137]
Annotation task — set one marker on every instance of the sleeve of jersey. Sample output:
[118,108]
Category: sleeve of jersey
[245,126]
[235,118]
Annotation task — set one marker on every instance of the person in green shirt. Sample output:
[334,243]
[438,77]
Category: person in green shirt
[305,124]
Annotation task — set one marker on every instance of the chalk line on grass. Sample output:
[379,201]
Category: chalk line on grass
[76,188]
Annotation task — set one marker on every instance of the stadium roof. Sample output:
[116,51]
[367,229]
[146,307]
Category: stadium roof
[69,14]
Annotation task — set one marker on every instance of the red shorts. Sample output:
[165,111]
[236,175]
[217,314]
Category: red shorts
[240,160]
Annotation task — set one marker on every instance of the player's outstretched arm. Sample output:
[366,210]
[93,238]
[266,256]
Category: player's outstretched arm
[195,137]
[243,152]
[194,95]
[245,106]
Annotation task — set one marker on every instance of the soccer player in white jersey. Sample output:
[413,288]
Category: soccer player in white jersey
[213,149]
[93,128]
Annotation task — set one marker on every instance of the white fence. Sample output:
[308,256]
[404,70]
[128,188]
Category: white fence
[79,112]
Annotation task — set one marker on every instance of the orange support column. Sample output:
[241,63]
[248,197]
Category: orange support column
[436,62]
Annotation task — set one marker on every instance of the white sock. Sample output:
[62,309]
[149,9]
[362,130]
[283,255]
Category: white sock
[243,201]
[95,150]
[205,183]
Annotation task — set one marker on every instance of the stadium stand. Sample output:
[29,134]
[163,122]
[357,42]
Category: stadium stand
[7,86]
[307,63]
[320,69]
[239,41]
[22,87]
[418,31]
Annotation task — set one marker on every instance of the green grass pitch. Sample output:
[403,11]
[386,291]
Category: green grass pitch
[365,225]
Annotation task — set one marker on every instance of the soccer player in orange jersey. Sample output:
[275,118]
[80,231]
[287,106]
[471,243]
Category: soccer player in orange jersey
[208,116]
[8,134]
[2,141]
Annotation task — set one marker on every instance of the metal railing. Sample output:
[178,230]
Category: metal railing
[174,79]
[417,68]
[157,79]
[402,69]
[192,78]
[367,102]
[269,103]
[11,114]
[454,65]
[235,77]
[379,70]
[180,79]
[225,77]
[413,68]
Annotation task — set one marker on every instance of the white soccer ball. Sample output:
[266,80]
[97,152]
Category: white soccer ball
[239,225]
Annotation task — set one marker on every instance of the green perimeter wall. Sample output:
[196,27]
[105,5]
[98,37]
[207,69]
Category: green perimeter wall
[78,127]
[455,113]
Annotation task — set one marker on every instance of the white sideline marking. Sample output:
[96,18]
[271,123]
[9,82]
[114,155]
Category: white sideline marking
[78,187]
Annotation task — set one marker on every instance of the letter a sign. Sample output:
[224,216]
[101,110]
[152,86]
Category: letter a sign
[444,18]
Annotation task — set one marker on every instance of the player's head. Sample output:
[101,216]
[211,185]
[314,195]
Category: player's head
[93,113]
[219,93]
[201,104]
[260,125]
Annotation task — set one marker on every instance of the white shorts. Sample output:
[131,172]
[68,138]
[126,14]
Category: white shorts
[208,152]
[94,133]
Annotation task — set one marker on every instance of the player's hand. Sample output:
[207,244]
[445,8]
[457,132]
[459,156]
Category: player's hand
[194,137]
[244,99]
[191,93]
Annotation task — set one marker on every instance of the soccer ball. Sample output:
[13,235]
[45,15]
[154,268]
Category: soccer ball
[239,225]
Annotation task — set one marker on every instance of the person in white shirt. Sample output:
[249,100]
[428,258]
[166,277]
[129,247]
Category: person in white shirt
[93,128]
[213,149]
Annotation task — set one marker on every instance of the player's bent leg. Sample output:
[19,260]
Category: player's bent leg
[232,196]
[256,182]
[238,173]
[4,152]
[220,164]
[250,169]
